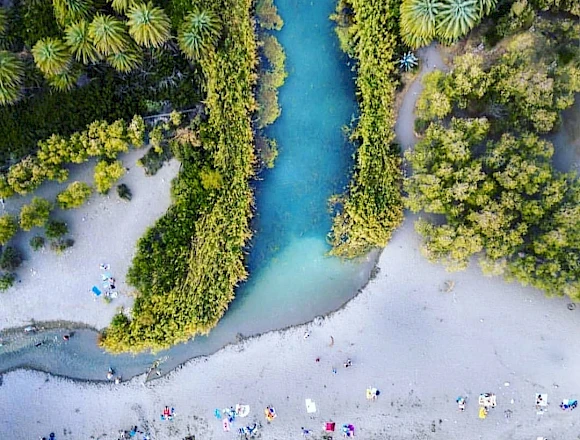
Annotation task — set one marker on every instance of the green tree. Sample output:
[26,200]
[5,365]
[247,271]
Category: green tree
[418,21]
[66,11]
[51,56]
[7,281]
[148,25]
[11,76]
[35,214]
[65,80]
[136,131]
[74,196]
[199,33]
[11,259]
[8,227]
[121,6]
[79,42]
[56,229]
[106,174]
[268,16]
[109,34]
[26,175]
[125,61]
[457,18]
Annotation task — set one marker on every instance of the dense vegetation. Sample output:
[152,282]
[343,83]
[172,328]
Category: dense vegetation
[372,207]
[66,64]
[190,261]
[483,166]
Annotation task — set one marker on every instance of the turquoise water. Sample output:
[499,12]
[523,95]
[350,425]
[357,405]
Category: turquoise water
[292,280]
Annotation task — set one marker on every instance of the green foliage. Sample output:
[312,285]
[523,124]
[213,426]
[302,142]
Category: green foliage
[65,80]
[106,174]
[66,11]
[199,33]
[8,227]
[148,25]
[108,34]
[345,29]
[267,15]
[78,40]
[60,245]
[372,207]
[11,75]
[37,242]
[26,175]
[447,20]
[125,61]
[74,196]
[524,89]
[35,214]
[55,229]
[501,199]
[136,131]
[124,192]
[11,259]
[273,74]
[51,56]
[188,264]
[121,6]
[7,281]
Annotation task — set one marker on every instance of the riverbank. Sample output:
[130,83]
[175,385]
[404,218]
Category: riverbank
[421,346]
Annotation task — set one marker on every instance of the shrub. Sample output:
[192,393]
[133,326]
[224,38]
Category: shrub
[37,242]
[74,196]
[36,214]
[267,14]
[8,227]
[7,281]
[60,245]
[106,174]
[124,192]
[11,259]
[56,229]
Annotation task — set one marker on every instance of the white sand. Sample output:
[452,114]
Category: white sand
[420,346]
[58,287]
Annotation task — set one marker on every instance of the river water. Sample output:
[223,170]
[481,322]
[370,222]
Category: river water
[291,278]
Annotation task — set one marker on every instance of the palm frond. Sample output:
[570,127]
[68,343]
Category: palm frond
[51,56]
[418,21]
[149,25]
[125,61]
[64,81]
[457,18]
[199,33]
[81,46]
[109,34]
[11,75]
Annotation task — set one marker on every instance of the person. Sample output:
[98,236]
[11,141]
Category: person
[348,363]
[117,380]
[306,334]
[110,374]
[305,432]
[317,359]
[66,337]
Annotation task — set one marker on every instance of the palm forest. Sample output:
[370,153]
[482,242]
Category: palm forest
[87,80]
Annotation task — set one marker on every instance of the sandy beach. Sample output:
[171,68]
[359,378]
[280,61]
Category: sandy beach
[53,287]
[420,346]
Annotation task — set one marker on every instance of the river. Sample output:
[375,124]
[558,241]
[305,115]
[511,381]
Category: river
[292,280]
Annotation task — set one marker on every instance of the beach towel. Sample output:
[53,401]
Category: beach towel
[218,414]
[242,410]
[310,406]
[226,425]
[96,291]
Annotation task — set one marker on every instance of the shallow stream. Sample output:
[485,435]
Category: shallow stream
[291,278]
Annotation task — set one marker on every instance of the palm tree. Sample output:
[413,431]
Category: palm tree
[109,34]
[3,20]
[457,18]
[69,10]
[51,56]
[121,6]
[81,46]
[149,25]
[485,6]
[11,74]
[65,80]
[418,21]
[125,61]
[199,33]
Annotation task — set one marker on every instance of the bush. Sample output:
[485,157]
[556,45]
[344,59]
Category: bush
[106,174]
[37,242]
[267,14]
[7,281]
[60,245]
[36,214]
[152,161]
[11,259]
[56,229]
[74,196]
[124,192]
[8,227]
